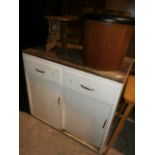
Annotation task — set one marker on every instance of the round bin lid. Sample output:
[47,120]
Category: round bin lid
[110,18]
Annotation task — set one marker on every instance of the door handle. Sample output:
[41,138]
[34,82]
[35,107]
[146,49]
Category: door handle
[104,123]
[58,101]
[90,89]
[40,71]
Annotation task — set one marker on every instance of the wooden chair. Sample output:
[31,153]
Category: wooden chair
[129,98]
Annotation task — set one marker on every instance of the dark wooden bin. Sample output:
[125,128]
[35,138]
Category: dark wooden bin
[106,39]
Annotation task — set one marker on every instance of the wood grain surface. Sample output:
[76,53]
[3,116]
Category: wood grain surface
[119,75]
[105,44]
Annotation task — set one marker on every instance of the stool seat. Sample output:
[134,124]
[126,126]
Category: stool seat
[62,18]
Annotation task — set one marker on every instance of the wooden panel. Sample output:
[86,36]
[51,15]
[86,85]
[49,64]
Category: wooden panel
[105,44]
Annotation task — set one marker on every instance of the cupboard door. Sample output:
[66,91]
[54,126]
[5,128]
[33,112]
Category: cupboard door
[85,117]
[45,100]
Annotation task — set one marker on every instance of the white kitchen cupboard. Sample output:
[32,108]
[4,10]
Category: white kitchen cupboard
[45,92]
[76,102]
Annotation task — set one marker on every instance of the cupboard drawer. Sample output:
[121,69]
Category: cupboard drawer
[92,86]
[41,69]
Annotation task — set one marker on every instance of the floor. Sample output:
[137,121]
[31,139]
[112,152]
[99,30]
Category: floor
[37,138]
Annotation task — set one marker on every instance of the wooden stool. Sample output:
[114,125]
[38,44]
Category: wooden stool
[58,27]
[129,98]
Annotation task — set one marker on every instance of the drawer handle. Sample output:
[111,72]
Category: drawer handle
[104,124]
[40,71]
[86,88]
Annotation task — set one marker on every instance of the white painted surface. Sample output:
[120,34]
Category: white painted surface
[100,88]
[88,107]
[85,117]
[46,102]
[42,68]
[70,99]
[45,96]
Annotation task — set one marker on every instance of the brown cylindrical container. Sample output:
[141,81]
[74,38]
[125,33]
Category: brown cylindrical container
[106,39]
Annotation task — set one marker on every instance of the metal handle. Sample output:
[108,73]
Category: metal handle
[58,101]
[104,123]
[40,71]
[91,89]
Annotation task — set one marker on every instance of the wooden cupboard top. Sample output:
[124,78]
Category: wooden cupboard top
[119,75]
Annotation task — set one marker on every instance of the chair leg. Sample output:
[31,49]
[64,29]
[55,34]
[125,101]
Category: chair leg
[119,127]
